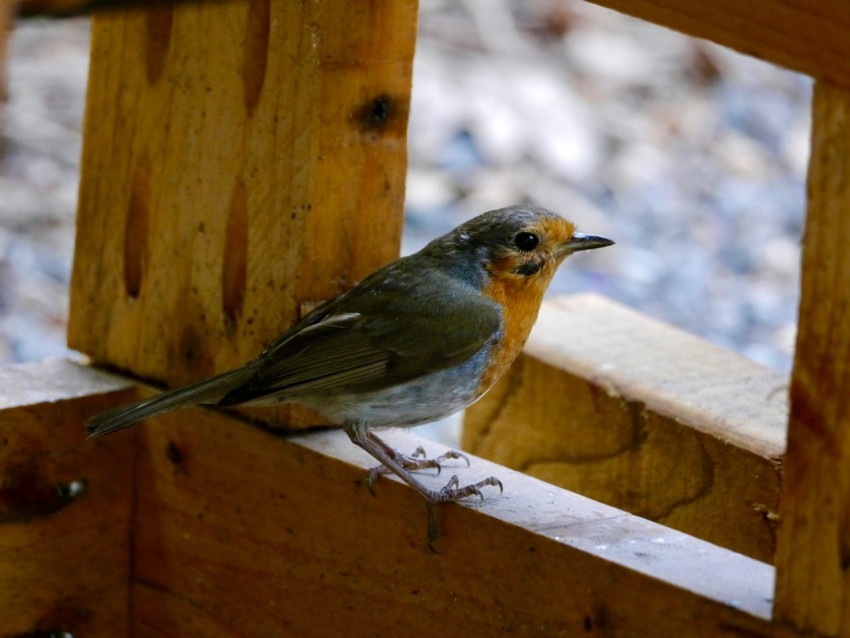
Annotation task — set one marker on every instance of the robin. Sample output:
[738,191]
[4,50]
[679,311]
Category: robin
[414,342]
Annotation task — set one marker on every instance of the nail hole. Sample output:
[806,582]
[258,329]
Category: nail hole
[374,114]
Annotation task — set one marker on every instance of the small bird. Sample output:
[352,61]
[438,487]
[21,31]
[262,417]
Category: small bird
[416,341]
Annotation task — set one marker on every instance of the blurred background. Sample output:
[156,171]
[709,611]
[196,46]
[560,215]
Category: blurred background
[690,156]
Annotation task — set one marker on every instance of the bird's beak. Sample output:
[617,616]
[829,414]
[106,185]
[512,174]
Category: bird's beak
[580,241]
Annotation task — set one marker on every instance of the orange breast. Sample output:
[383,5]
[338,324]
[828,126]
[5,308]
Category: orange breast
[520,300]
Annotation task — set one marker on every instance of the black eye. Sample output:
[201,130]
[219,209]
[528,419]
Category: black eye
[526,241]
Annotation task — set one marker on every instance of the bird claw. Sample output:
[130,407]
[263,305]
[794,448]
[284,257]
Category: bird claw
[451,491]
[414,462]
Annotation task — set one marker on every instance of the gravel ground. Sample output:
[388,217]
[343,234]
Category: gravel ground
[691,157]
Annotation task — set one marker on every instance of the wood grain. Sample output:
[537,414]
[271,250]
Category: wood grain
[809,36]
[242,162]
[814,540]
[198,525]
[240,533]
[65,505]
[642,416]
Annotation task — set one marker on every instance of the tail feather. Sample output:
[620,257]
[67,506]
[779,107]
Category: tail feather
[208,391]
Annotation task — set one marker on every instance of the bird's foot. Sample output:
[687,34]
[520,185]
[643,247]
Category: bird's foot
[451,491]
[413,462]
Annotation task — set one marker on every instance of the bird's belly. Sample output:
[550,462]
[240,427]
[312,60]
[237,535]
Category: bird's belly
[422,400]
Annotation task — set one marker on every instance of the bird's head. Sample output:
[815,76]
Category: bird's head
[521,244]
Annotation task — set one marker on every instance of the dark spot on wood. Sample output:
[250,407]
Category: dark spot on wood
[158,23]
[588,624]
[28,493]
[191,347]
[173,453]
[234,268]
[375,114]
[62,619]
[136,229]
[256,52]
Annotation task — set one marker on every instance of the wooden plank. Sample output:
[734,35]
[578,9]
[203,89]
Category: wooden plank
[65,506]
[810,36]
[68,8]
[642,416]
[242,162]
[814,540]
[242,533]
[233,531]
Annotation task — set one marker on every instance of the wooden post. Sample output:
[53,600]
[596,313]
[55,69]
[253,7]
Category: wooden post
[242,162]
[813,553]
[644,417]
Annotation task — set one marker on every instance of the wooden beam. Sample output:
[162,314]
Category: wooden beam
[65,505]
[813,556]
[238,532]
[642,416]
[69,8]
[810,36]
[220,529]
[242,162]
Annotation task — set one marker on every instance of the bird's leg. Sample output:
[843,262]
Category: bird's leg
[413,462]
[363,438]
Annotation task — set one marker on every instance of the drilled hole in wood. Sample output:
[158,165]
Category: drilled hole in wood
[136,229]
[255,52]
[158,23]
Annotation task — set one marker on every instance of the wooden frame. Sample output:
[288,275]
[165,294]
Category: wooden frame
[199,525]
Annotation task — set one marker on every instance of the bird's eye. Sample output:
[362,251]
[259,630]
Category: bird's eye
[526,241]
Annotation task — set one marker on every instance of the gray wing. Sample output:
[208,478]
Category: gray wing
[372,341]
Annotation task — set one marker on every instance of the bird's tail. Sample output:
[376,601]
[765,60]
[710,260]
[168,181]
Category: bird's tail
[207,391]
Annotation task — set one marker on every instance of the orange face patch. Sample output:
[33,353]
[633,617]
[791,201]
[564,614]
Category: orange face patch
[518,280]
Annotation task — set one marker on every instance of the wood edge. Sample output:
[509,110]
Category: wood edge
[733,25]
[53,380]
[611,535]
[764,437]
[739,589]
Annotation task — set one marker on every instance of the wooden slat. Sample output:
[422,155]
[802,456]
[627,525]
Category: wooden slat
[242,161]
[241,533]
[814,542]
[64,559]
[224,512]
[810,36]
[642,416]
[232,531]
[68,8]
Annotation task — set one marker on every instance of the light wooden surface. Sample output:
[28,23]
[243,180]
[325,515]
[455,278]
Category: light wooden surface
[242,162]
[809,36]
[814,541]
[642,416]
